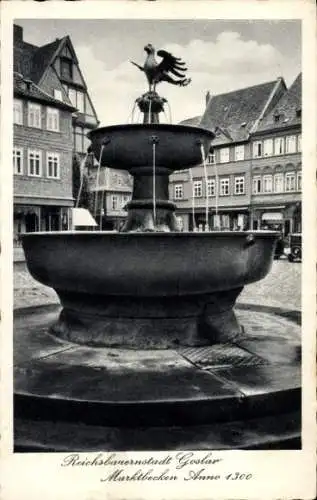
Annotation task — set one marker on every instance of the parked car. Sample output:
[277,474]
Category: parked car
[279,249]
[295,243]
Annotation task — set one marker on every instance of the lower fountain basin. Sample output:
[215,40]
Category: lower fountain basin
[148,264]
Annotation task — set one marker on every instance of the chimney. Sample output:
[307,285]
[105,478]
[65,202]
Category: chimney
[17,33]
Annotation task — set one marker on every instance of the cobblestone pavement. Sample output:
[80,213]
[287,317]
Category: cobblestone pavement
[281,288]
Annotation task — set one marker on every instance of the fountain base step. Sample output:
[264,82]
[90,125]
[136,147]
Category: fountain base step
[157,399]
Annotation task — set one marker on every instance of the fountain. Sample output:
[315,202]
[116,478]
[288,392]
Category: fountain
[146,305]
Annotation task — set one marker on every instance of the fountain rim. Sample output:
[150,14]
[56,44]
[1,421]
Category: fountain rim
[156,126]
[156,234]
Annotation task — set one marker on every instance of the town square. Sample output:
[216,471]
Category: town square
[157,236]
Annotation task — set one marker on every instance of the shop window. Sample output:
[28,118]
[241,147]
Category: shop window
[198,189]
[290,181]
[279,146]
[268,147]
[224,155]
[52,161]
[52,119]
[211,187]
[267,184]
[278,183]
[34,115]
[34,163]
[239,152]
[290,144]
[18,112]
[256,185]
[257,149]
[178,192]
[225,186]
[18,161]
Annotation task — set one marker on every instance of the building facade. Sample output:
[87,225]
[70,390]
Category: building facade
[218,196]
[42,160]
[110,191]
[55,69]
[276,170]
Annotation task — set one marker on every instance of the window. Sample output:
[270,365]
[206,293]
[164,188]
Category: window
[224,155]
[34,115]
[81,141]
[299,181]
[211,158]
[278,183]
[18,161]
[34,163]
[80,102]
[52,119]
[18,112]
[290,181]
[52,160]
[256,185]
[58,94]
[77,98]
[279,146]
[267,184]
[178,192]
[224,186]
[198,189]
[257,149]
[290,144]
[239,185]
[211,187]
[299,143]
[268,147]
[239,153]
[114,202]
[66,69]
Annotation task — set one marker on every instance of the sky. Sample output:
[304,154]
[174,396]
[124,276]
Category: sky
[221,56]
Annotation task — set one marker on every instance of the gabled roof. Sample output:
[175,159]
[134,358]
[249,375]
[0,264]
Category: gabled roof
[42,58]
[287,112]
[236,113]
[27,89]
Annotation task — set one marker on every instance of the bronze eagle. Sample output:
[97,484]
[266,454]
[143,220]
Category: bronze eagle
[160,72]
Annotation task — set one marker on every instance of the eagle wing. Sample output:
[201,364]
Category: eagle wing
[170,64]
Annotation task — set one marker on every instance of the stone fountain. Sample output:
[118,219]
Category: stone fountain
[147,335]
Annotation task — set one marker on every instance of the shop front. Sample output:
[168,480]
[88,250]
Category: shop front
[285,219]
[231,219]
[29,218]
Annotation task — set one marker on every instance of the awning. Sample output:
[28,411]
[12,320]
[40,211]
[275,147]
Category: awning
[272,216]
[82,217]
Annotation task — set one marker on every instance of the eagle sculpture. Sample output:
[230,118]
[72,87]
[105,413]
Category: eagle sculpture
[160,72]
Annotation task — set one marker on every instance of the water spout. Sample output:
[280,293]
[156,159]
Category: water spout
[169,111]
[150,107]
[81,170]
[97,181]
[203,156]
[154,140]
[193,199]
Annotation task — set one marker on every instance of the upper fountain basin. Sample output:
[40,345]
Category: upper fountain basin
[131,146]
[148,264]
